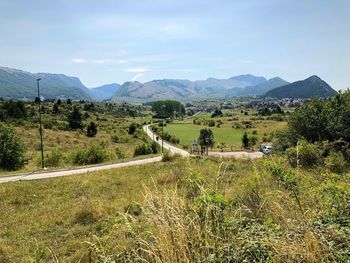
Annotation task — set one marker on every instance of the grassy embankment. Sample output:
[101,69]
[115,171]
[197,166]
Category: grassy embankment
[182,211]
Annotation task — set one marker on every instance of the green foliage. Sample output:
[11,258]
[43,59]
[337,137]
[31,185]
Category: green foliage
[132,128]
[92,155]
[211,123]
[167,157]
[91,129]
[253,140]
[168,109]
[217,113]
[75,119]
[119,153]
[245,140]
[335,162]
[206,137]
[11,149]
[53,159]
[284,140]
[155,147]
[143,149]
[307,154]
[12,109]
[321,120]
[285,176]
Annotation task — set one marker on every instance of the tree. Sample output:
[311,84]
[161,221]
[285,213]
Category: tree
[168,109]
[245,140]
[206,137]
[217,113]
[322,120]
[75,119]
[11,149]
[91,130]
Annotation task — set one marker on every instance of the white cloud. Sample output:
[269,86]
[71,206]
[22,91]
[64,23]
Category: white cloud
[137,76]
[99,61]
[137,70]
[79,60]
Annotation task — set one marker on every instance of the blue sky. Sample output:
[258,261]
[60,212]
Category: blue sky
[116,41]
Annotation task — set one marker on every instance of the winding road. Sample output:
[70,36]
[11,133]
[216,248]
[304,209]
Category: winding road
[90,169]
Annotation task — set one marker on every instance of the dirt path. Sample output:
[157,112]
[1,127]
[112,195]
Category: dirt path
[36,176]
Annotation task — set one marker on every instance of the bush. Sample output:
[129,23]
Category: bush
[11,149]
[94,154]
[308,154]
[336,163]
[143,149]
[91,130]
[132,128]
[53,159]
[119,153]
[167,157]
[211,123]
[245,140]
[155,147]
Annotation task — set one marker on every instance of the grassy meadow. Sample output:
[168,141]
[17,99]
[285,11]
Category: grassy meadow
[185,210]
[228,134]
[61,142]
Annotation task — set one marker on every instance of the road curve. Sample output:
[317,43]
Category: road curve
[166,145]
[36,176]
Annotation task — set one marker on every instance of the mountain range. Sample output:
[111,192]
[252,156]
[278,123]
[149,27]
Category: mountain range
[18,84]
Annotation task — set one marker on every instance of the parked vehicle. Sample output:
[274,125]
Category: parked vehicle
[266,149]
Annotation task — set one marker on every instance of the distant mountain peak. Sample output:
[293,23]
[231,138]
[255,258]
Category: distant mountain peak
[313,86]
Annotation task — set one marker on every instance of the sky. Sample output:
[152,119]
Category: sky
[115,41]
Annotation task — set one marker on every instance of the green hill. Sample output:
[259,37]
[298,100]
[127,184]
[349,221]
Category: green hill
[303,89]
[18,84]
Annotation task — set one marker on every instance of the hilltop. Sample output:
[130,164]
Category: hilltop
[310,87]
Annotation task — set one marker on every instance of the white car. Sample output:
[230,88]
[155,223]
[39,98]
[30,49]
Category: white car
[266,149]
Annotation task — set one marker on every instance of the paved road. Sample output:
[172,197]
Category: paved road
[166,145]
[171,148]
[35,176]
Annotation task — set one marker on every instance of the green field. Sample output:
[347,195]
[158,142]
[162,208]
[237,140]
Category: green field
[226,137]
[188,132]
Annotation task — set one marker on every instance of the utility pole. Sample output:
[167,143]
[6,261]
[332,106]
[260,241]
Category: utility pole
[41,128]
[162,135]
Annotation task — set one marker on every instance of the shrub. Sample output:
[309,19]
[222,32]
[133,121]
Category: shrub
[53,159]
[119,153]
[143,149]
[167,157]
[335,162]
[91,130]
[155,147]
[245,140]
[11,149]
[253,140]
[132,128]
[94,154]
[308,154]
[211,123]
